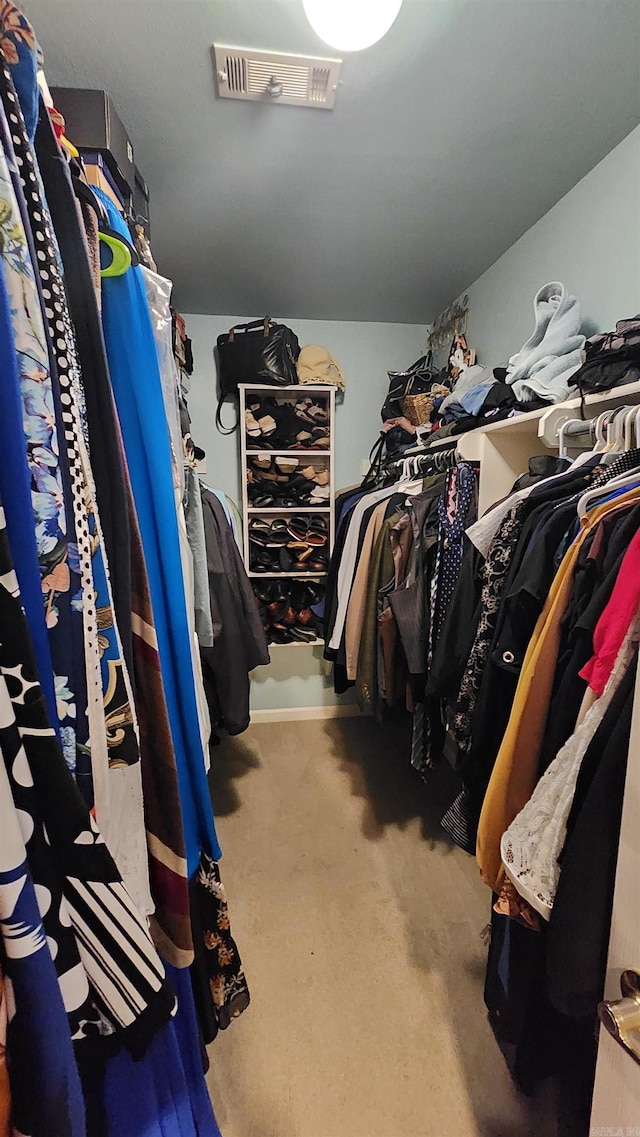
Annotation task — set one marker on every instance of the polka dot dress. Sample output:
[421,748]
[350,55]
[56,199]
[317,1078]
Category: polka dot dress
[118,800]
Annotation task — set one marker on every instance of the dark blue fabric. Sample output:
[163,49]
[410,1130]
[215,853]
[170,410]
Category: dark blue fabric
[45,1085]
[15,493]
[349,502]
[24,66]
[137,387]
[165,1094]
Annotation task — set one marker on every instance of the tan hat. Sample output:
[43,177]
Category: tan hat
[316,365]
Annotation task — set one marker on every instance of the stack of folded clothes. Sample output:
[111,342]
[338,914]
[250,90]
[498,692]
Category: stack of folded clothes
[289,544]
[284,483]
[276,425]
[610,359]
[287,610]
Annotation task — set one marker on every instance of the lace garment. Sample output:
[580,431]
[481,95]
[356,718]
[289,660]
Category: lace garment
[532,844]
[495,572]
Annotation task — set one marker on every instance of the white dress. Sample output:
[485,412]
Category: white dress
[531,845]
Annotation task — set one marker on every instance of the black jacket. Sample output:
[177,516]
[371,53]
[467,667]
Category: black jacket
[239,640]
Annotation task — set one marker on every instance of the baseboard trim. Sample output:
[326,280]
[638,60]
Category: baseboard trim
[297,714]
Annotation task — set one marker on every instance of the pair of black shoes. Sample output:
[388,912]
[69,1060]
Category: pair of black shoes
[301,594]
[285,609]
[282,558]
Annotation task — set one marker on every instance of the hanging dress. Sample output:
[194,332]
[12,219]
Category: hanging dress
[137,387]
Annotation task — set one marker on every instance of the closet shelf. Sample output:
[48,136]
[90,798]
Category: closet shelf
[546,421]
[543,423]
[504,448]
[300,388]
[319,642]
[553,418]
[291,509]
[289,453]
[290,575]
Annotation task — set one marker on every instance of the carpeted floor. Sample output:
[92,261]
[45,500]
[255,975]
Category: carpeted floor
[360,927]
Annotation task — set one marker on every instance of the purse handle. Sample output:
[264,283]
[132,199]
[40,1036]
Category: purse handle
[425,363]
[376,461]
[266,323]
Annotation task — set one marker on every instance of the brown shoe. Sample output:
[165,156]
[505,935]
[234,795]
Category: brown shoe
[305,616]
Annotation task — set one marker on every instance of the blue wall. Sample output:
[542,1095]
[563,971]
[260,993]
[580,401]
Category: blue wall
[590,241]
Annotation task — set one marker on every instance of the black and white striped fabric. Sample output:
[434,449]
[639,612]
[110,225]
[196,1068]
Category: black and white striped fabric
[110,975]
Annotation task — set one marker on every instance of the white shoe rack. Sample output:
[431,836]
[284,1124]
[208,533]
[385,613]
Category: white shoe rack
[321,459]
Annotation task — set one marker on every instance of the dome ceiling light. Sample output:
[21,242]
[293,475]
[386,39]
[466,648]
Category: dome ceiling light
[351,25]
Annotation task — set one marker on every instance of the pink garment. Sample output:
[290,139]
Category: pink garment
[614,621]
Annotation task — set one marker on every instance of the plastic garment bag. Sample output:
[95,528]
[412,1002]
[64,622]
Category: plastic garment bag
[158,290]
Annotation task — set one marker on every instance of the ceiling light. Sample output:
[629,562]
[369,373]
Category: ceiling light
[351,25]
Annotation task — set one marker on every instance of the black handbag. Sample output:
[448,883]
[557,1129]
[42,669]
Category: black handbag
[388,446]
[417,380]
[258,352]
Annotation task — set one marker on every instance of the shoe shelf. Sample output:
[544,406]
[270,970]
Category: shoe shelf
[318,642]
[320,457]
[300,574]
[319,453]
[301,390]
[289,509]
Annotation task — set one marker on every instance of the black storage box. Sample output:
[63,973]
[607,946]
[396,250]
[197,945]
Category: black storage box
[92,123]
[141,202]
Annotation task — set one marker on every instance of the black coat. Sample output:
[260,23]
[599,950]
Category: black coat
[240,643]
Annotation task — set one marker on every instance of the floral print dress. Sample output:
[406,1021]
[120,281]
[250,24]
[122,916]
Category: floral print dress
[58,554]
[94,700]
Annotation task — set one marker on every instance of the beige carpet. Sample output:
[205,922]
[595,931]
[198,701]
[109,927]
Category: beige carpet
[360,927]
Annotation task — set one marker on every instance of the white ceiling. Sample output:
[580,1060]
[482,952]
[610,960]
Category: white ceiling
[449,139]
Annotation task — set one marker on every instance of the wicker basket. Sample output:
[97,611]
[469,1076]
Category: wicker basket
[417,408]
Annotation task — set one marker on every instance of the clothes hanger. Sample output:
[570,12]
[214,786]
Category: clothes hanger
[84,193]
[628,480]
[601,440]
[607,417]
[615,441]
[629,421]
[123,253]
[617,430]
[121,258]
[619,484]
[630,476]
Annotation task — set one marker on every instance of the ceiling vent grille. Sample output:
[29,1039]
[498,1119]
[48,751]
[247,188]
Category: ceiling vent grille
[268,77]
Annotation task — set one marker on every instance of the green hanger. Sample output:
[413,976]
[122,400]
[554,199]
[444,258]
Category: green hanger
[123,254]
[120,256]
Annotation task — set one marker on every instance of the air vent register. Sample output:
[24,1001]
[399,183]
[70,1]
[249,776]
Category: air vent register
[266,76]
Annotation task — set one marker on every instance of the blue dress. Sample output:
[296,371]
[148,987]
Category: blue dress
[137,386]
[164,1095]
[45,1086]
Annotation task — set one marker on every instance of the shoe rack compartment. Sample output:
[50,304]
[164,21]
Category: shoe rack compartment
[291,485]
[287,612]
[286,419]
[288,542]
[288,482]
[318,511]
